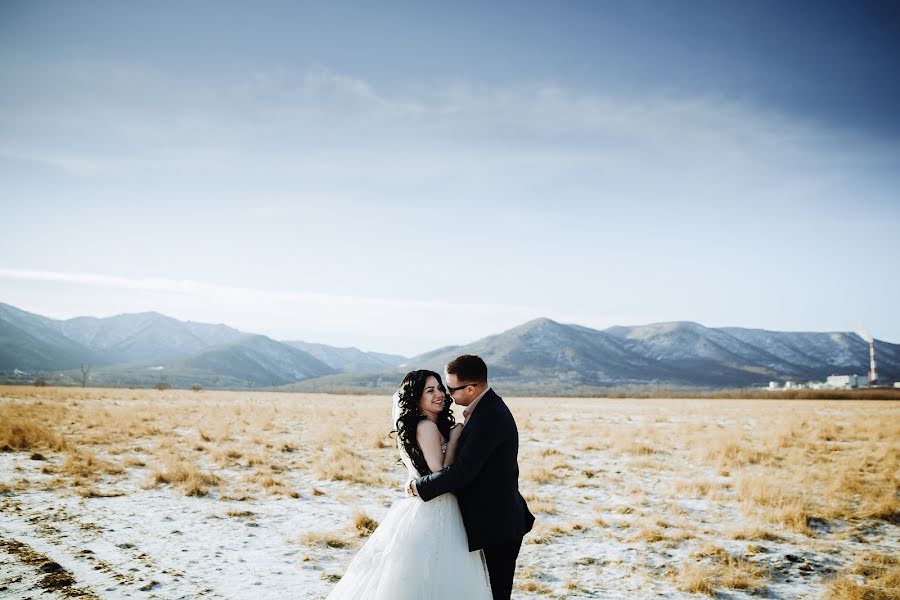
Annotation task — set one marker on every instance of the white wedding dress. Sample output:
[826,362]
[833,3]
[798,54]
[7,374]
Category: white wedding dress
[419,552]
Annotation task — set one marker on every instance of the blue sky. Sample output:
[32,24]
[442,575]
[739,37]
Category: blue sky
[408,176]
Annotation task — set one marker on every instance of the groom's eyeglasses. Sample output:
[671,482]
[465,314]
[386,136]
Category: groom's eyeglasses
[453,390]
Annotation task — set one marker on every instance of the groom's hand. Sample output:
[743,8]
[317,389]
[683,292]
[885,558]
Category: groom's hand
[411,488]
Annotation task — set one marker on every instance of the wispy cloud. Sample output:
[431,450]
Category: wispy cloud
[186,286]
[593,200]
[401,323]
[318,119]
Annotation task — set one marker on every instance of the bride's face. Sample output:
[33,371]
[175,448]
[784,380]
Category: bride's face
[432,401]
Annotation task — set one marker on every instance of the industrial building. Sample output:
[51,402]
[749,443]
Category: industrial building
[846,381]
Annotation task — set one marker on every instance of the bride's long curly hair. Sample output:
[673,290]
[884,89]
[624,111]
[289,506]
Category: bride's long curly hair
[410,392]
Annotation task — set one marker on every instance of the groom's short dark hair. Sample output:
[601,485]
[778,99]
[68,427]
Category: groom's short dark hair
[468,367]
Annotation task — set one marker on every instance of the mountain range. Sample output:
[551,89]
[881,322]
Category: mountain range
[541,356]
[546,357]
[148,348]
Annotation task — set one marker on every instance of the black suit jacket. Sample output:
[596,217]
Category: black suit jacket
[485,477]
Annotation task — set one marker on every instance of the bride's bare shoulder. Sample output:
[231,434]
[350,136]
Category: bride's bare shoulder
[426,426]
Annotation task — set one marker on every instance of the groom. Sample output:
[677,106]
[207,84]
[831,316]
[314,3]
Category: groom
[485,474]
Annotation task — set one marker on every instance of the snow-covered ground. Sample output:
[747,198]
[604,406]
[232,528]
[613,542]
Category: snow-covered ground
[613,522]
[162,544]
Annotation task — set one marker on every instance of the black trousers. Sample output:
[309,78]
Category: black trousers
[501,564]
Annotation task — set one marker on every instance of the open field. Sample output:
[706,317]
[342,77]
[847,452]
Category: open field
[179,494]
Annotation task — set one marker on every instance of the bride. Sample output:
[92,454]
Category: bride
[420,550]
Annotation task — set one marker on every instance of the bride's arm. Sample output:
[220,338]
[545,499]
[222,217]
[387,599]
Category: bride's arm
[429,439]
[450,454]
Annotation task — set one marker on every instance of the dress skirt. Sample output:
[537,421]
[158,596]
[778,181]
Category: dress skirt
[418,552]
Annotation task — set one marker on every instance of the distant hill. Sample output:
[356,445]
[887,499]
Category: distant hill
[543,356]
[32,343]
[538,357]
[145,337]
[740,356]
[349,360]
[28,349]
[257,359]
[144,349]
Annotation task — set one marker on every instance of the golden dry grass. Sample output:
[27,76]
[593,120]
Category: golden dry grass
[344,464]
[534,587]
[325,539]
[712,567]
[22,427]
[874,577]
[363,524]
[778,469]
[756,533]
[191,480]
[695,579]
[236,444]
[785,468]
[539,504]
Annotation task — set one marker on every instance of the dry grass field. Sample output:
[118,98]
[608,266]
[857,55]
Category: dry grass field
[109,493]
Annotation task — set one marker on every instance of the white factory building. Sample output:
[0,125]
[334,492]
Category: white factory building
[838,382]
[846,381]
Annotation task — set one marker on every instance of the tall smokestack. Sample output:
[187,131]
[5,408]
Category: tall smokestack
[873,373]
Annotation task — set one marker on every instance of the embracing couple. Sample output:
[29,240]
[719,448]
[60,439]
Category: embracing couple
[437,545]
